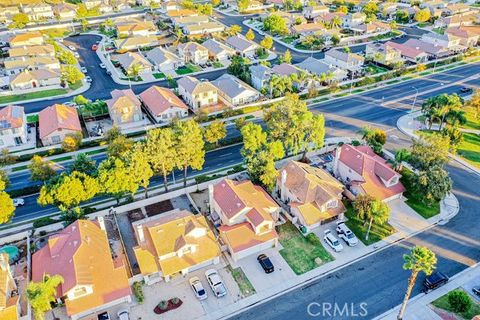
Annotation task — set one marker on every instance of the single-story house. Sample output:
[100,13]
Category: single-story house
[163,104]
[129,59]
[242,45]
[134,43]
[163,59]
[217,50]
[409,53]
[27,79]
[56,122]
[234,91]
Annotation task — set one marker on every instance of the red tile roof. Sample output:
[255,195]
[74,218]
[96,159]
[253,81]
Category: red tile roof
[58,117]
[159,100]
[11,117]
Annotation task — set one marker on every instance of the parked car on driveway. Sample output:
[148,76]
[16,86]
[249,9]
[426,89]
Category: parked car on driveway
[88,79]
[435,280]
[123,315]
[17,202]
[216,283]
[266,264]
[72,48]
[333,242]
[197,288]
[346,234]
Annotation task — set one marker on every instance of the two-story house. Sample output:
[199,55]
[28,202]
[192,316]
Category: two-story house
[174,243]
[311,12]
[344,60]
[243,46]
[383,53]
[234,91]
[136,28]
[260,76]
[27,39]
[13,126]
[192,52]
[197,94]
[124,108]
[38,11]
[247,214]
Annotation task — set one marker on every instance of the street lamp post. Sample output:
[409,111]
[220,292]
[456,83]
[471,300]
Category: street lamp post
[415,98]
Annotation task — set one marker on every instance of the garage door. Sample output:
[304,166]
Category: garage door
[253,250]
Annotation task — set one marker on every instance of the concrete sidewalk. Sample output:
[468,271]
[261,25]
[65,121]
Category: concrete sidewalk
[418,307]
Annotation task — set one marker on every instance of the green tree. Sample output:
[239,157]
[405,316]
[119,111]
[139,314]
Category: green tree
[139,166]
[80,100]
[4,180]
[279,85]
[335,39]
[267,43]
[215,132]
[82,11]
[42,294]
[161,152]
[189,145]
[84,23]
[68,190]
[243,5]
[259,155]
[216,3]
[422,15]
[84,164]
[134,71]
[40,170]
[474,103]
[234,30]
[459,301]
[72,142]
[71,74]
[65,56]
[118,146]
[401,155]
[240,68]
[437,108]
[6,157]
[287,57]
[362,206]
[116,179]
[430,151]
[19,21]
[111,134]
[250,35]
[433,183]
[376,138]
[370,9]
[420,259]
[6,207]
[275,24]
[378,214]
[402,16]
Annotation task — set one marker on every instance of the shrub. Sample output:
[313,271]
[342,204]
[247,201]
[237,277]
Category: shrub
[355,143]
[45,221]
[138,291]
[459,301]
[163,305]
[313,239]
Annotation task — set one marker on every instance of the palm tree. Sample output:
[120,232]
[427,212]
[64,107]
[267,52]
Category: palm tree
[456,117]
[134,72]
[42,294]
[379,213]
[420,259]
[336,21]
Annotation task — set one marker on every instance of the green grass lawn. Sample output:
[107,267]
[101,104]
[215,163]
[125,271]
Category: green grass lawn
[288,39]
[414,200]
[189,68]
[298,252]
[32,95]
[377,232]
[443,303]
[242,281]
[159,75]
[32,118]
[374,69]
[217,64]
[469,148]
[75,86]
[263,56]
[472,121]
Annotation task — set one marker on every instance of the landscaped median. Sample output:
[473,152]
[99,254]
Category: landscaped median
[456,304]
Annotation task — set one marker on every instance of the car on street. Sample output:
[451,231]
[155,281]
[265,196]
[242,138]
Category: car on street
[434,281]
[102,65]
[466,90]
[216,283]
[70,104]
[266,264]
[72,48]
[18,202]
[476,291]
[83,69]
[346,234]
[123,315]
[197,288]
[333,242]
[76,55]
[88,79]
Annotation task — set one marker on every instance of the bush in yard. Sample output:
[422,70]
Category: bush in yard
[459,301]
[45,221]
[313,239]
[138,291]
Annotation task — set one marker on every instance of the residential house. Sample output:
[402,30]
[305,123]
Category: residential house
[253,5]
[311,12]
[13,128]
[9,301]
[234,91]
[372,27]
[147,3]
[433,50]
[217,50]
[121,5]
[457,20]
[203,28]
[312,194]
[134,43]
[344,60]
[181,13]
[164,60]
[129,59]
[364,172]
[65,11]
[353,19]
[260,76]
[446,40]
[57,121]
[91,4]
[243,46]
[7,13]
[190,19]
[290,70]
[197,93]
[320,67]
[171,6]
[383,53]
[308,29]
[192,52]
[44,50]
[163,104]
[327,18]
[41,78]
[27,39]
[247,214]
[469,36]
[105,8]
[124,107]
[456,8]
[415,55]
[18,64]
[173,244]
[93,280]
[38,11]
[290,18]
[136,28]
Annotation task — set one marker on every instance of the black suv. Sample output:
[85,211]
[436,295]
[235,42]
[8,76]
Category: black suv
[435,280]
[265,263]
[466,90]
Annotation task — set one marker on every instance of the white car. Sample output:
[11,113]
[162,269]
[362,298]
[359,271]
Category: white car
[102,65]
[76,55]
[83,69]
[70,104]
[123,315]
[346,234]
[72,48]
[333,242]
[215,283]
[88,79]
[17,202]
[197,288]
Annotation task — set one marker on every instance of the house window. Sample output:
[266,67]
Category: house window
[56,139]
[205,94]
[394,181]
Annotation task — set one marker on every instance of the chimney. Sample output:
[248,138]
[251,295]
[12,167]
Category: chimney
[282,186]
[101,222]
[210,196]
[141,236]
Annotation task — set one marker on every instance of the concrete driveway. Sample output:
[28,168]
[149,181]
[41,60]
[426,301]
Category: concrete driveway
[469,286]
[258,278]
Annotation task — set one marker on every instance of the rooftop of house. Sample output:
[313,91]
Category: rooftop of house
[136,25]
[122,99]
[216,47]
[137,41]
[130,58]
[8,309]
[286,69]
[11,117]
[344,56]
[159,100]
[260,71]
[81,254]
[46,49]
[181,13]
[317,67]
[242,236]
[194,86]
[22,37]
[191,47]
[159,55]
[29,61]
[27,76]
[232,86]
[58,116]
[410,52]
[240,43]
[464,31]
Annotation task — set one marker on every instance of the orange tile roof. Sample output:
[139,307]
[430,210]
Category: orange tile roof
[81,255]
[11,117]
[58,117]
[159,100]
[242,236]
[8,304]
[181,13]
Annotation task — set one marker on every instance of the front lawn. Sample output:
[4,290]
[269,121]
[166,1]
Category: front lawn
[159,75]
[289,39]
[415,200]
[298,252]
[32,95]
[443,303]
[76,85]
[189,68]
[246,288]
[374,69]
[32,118]
[472,121]
[469,148]
[377,232]
[217,64]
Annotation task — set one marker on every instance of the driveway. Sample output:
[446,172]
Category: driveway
[258,278]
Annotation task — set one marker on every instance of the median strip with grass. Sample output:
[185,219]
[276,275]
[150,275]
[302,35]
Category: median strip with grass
[32,95]
[444,304]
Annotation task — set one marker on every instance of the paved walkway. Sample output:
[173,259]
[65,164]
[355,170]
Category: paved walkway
[418,307]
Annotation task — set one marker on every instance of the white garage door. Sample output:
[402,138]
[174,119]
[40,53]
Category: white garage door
[253,250]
